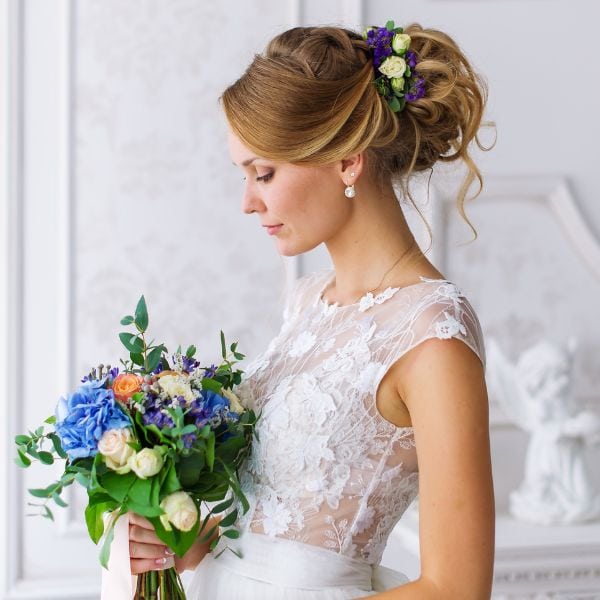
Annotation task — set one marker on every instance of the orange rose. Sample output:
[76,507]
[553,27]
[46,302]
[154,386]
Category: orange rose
[125,385]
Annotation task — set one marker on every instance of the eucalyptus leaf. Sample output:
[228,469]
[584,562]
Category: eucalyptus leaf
[141,315]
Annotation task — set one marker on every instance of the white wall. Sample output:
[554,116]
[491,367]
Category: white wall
[116,181]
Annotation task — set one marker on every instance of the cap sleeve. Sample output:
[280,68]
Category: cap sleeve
[439,310]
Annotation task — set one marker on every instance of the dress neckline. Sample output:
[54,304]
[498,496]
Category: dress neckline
[367,300]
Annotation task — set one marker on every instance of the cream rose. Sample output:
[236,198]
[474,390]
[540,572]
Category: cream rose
[180,510]
[177,385]
[234,402]
[400,42]
[393,66]
[115,449]
[397,84]
[147,462]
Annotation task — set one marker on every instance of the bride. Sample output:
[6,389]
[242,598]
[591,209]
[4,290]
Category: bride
[374,389]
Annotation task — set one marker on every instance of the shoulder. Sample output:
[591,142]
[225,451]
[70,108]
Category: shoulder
[441,311]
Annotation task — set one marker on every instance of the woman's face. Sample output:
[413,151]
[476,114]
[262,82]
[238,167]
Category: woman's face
[304,206]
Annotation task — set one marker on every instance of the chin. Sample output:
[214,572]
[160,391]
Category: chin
[287,249]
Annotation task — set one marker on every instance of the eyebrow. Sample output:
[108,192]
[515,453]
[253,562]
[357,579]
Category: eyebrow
[247,161]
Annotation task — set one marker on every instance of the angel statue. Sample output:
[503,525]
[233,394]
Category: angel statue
[536,394]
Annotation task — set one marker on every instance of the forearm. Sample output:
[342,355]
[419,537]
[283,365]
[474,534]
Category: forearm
[424,589]
[199,550]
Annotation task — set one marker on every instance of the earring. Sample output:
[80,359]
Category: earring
[350,192]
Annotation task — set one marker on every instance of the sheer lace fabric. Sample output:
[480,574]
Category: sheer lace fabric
[327,468]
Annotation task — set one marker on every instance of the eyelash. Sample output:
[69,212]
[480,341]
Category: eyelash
[265,178]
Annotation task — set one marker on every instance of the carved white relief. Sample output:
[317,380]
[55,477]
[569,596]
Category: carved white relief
[536,394]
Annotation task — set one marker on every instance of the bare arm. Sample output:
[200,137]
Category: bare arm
[442,383]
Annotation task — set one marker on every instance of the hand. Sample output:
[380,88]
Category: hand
[146,551]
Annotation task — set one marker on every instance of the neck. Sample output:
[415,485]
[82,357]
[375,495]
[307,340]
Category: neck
[375,236]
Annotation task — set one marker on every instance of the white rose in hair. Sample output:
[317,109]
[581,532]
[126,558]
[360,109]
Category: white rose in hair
[393,66]
[400,43]
[115,449]
[180,510]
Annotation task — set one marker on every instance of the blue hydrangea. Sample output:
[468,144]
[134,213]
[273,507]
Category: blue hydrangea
[85,415]
[209,408]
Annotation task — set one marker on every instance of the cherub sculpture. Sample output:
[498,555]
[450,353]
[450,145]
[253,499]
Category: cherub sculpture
[536,394]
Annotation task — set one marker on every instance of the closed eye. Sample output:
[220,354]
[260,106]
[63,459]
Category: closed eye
[266,177]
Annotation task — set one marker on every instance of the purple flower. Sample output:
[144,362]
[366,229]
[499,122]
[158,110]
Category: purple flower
[417,89]
[155,416]
[411,59]
[210,371]
[189,364]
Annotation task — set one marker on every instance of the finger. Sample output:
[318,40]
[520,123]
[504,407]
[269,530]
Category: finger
[140,550]
[141,534]
[139,520]
[143,565]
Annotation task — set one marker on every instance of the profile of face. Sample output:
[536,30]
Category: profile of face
[300,206]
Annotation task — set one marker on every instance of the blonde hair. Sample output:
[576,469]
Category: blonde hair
[310,99]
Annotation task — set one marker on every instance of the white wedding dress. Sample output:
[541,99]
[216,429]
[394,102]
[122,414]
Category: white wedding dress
[329,477]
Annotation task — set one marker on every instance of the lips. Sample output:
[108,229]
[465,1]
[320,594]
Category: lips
[273,229]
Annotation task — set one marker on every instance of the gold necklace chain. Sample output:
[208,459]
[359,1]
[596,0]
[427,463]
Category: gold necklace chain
[387,272]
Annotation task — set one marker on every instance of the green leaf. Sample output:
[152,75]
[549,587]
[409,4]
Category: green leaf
[171,483]
[394,104]
[223,346]
[154,358]
[50,420]
[40,492]
[57,445]
[139,492]
[110,533]
[94,514]
[39,431]
[22,439]
[46,457]
[117,486]
[232,533]
[59,501]
[208,534]
[138,359]
[141,315]
[48,513]
[230,519]
[128,320]
[219,508]
[132,342]
[144,509]
[390,25]
[190,351]
[210,451]
[22,461]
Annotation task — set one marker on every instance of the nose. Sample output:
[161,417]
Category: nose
[251,201]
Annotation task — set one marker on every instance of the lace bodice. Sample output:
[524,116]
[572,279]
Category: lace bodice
[327,468]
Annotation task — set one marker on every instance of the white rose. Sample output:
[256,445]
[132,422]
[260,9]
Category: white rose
[147,462]
[177,385]
[115,449]
[397,84]
[400,43]
[234,402]
[393,66]
[180,510]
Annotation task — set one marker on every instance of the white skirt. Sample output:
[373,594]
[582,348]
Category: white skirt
[280,569]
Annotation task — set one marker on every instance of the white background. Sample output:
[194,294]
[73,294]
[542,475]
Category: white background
[116,182]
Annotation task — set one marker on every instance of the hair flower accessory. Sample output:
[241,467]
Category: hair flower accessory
[394,65]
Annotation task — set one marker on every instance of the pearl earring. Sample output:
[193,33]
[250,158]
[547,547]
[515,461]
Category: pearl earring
[350,192]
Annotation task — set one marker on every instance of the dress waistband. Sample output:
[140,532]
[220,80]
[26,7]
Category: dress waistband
[289,563]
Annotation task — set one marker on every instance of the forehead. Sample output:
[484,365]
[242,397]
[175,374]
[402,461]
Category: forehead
[237,150]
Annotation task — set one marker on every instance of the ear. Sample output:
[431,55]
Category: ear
[351,167]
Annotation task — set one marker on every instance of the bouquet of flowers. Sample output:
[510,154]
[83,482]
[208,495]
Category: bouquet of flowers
[159,437]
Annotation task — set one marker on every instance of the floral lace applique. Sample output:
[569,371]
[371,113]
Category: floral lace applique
[368,300]
[449,328]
